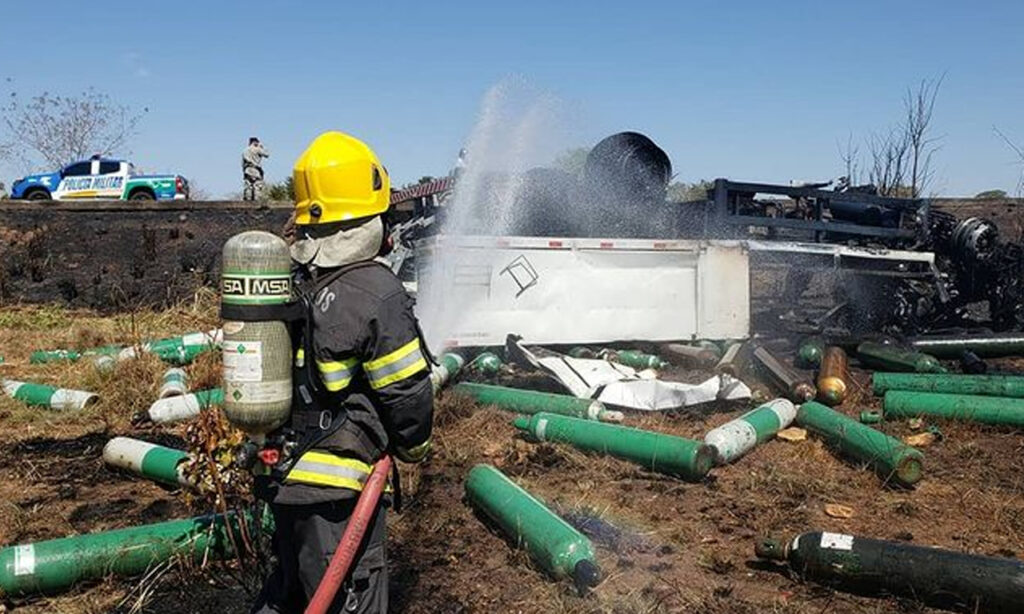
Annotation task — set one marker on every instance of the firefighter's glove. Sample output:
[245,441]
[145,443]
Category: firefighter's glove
[415,454]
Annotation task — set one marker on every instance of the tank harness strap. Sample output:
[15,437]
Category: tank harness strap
[329,421]
[292,311]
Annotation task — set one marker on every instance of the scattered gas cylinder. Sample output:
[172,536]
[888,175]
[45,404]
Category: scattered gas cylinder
[985,410]
[158,463]
[871,416]
[532,402]
[810,352]
[582,352]
[935,576]
[890,457]
[891,358]
[980,385]
[737,437]
[41,395]
[57,564]
[633,358]
[184,407]
[557,547]
[174,383]
[832,376]
[733,360]
[669,454]
[693,355]
[989,345]
[450,365]
[45,356]
[486,363]
[796,387]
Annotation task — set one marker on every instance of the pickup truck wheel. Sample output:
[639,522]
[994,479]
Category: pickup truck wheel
[38,194]
[141,195]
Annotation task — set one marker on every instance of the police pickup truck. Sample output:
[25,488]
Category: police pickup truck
[101,178]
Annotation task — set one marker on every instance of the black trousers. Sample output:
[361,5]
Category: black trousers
[305,539]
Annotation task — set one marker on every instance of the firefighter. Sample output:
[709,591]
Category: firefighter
[252,169]
[361,380]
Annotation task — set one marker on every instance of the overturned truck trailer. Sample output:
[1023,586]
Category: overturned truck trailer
[844,260]
[474,291]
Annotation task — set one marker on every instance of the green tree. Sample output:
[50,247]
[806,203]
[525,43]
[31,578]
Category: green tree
[284,190]
[572,160]
[680,191]
[991,194]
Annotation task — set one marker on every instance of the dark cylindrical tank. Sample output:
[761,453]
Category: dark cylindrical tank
[624,181]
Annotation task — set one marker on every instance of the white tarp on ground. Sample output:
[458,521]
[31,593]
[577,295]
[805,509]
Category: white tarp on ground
[622,386]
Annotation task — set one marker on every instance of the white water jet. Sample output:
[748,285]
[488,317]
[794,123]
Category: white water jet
[519,128]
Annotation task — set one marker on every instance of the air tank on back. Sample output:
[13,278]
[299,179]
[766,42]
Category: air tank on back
[624,182]
[257,350]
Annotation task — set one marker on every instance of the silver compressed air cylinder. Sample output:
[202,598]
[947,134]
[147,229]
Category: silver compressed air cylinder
[184,407]
[174,383]
[257,354]
[737,437]
[41,395]
[149,460]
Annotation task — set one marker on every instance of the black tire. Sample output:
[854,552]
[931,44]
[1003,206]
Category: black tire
[142,195]
[38,194]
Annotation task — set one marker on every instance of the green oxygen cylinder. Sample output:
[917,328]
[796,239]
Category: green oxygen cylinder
[486,363]
[55,565]
[669,454]
[634,359]
[892,358]
[810,352]
[257,349]
[1000,411]
[981,385]
[534,402]
[447,368]
[890,457]
[560,549]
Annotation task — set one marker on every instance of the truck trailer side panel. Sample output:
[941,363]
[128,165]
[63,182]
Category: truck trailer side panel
[474,291]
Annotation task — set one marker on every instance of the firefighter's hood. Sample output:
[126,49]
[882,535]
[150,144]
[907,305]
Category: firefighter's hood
[347,244]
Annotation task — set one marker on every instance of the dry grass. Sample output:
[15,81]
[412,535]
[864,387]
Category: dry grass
[685,547]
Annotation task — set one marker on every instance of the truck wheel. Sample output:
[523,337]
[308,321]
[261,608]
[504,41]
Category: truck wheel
[38,194]
[141,195]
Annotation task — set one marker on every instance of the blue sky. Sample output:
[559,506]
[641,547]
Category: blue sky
[759,91]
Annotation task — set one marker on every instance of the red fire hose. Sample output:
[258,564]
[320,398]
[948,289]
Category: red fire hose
[351,539]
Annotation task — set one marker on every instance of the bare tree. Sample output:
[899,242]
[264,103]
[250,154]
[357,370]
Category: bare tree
[850,155]
[196,192]
[889,162]
[1020,158]
[61,129]
[899,161]
[918,106]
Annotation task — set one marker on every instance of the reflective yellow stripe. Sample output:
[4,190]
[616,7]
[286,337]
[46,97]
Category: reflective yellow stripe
[396,366]
[327,469]
[321,479]
[333,459]
[337,375]
[387,359]
[300,357]
[397,376]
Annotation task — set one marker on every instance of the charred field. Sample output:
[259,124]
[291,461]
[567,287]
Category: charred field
[672,546]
